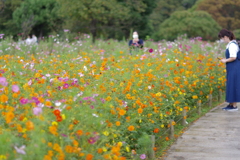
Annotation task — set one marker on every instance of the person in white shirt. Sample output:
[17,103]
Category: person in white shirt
[232,61]
[28,40]
[34,39]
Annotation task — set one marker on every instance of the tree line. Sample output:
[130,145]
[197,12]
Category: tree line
[117,19]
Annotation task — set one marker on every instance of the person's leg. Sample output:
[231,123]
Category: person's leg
[233,107]
[234,104]
[228,106]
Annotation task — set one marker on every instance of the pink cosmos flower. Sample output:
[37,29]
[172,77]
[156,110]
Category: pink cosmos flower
[91,140]
[20,150]
[15,88]
[143,156]
[150,50]
[37,111]
[3,81]
[23,101]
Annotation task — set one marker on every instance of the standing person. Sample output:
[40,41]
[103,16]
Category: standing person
[233,69]
[135,43]
[34,39]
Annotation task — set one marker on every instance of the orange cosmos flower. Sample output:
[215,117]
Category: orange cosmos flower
[79,132]
[131,128]
[56,112]
[89,157]
[69,149]
[156,130]
[53,130]
[47,157]
[75,143]
[57,147]
[9,117]
[48,103]
[100,150]
[59,118]
[118,123]
[3,98]
[140,110]
[29,125]
[128,118]
[121,112]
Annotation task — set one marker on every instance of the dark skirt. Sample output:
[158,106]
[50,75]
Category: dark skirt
[233,80]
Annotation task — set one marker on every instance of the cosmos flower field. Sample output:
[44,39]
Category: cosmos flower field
[77,100]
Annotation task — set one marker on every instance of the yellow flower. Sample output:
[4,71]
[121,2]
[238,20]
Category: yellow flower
[127,149]
[54,123]
[24,130]
[2,157]
[104,149]
[121,84]
[195,97]
[63,116]
[158,94]
[37,75]
[106,133]
[119,144]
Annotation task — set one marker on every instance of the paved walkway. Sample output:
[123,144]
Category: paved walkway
[215,136]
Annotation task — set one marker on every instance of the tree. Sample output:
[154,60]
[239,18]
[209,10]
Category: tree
[163,11]
[138,19]
[194,24]
[225,12]
[92,16]
[7,24]
[37,16]
[188,3]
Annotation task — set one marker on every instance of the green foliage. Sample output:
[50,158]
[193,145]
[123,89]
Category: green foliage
[38,14]
[92,16]
[7,25]
[163,11]
[194,24]
[139,17]
[225,12]
[194,7]
[188,3]
[237,33]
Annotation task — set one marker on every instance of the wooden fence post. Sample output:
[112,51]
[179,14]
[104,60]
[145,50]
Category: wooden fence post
[184,114]
[199,106]
[152,152]
[220,95]
[210,100]
[171,129]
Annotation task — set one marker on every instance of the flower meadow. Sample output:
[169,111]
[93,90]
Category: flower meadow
[77,101]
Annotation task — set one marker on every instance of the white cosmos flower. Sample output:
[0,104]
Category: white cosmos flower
[58,104]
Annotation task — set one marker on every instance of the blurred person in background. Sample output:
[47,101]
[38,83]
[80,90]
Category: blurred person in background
[135,43]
